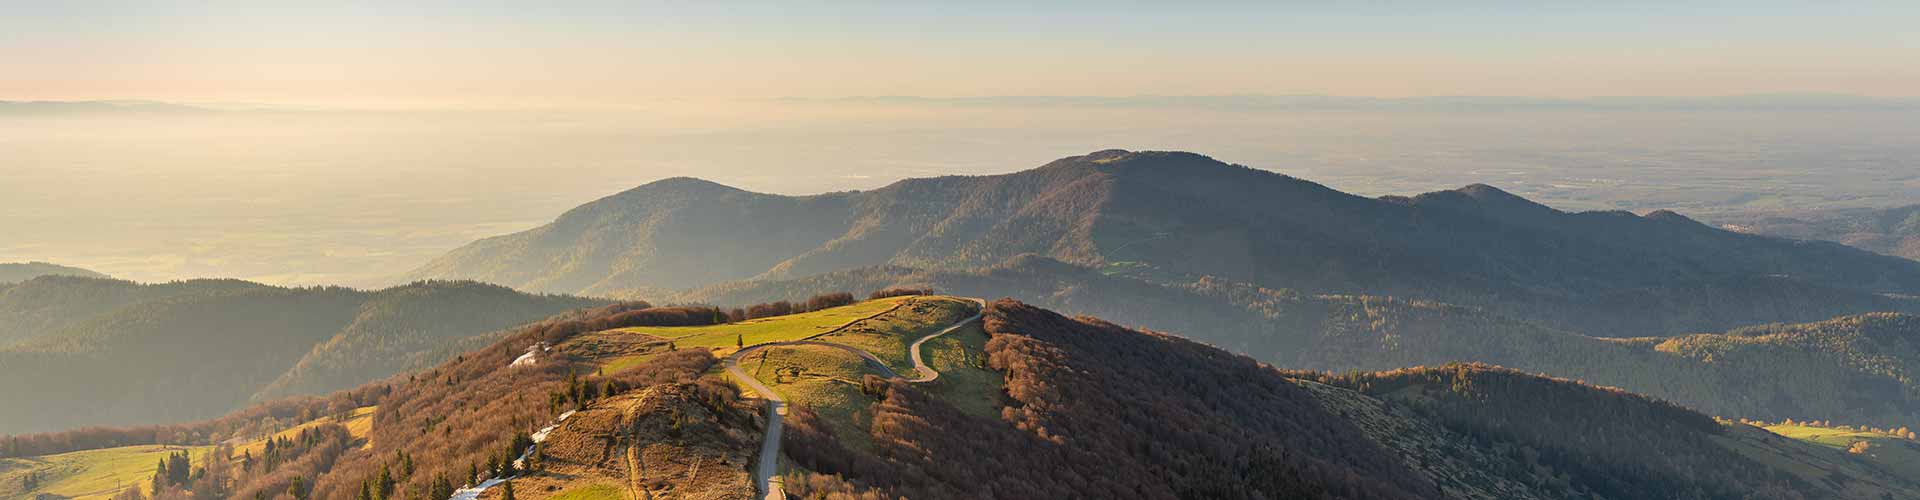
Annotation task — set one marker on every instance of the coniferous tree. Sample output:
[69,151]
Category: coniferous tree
[441,488]
[382,484]
[507,492]
[160,477]
[297,489]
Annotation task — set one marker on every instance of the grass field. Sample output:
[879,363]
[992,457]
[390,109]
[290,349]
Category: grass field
[824,378]
[91,473]
[721,339]
[1856,476]
[961,359]
[592,492]
[102,473]
[888,336]
[756,331]
[1897,454]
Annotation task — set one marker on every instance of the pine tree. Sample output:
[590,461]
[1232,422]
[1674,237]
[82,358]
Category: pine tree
[365,493]
[507,493]
[298,489]
[739,340]
[382,484]
[441,488]
[160,477]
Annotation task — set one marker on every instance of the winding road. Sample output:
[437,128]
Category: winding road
[765,475]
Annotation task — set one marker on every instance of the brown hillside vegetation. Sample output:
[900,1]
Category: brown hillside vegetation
[1854,369]
[1098,411]
[1095,410]
[683,440]
[1582,441]
[1082,409]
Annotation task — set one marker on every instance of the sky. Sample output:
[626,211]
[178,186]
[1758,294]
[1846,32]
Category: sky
[474,54]
[353,141]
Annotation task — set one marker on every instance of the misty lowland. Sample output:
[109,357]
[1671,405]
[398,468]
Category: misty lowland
[945,250]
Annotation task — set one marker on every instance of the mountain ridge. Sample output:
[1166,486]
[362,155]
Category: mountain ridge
[22,271]
[1173,216]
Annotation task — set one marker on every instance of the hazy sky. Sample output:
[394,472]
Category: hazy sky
[543,54]
[393,131]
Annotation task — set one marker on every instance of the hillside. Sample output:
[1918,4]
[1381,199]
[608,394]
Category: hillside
[18,272]
[1847,369]
[675,233]
[1027,404]
[1891,231]
[412,327]
[193,350]
[1178,217]
[45,305]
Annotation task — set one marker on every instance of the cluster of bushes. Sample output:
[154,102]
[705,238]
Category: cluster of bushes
[897,292]
[783,308]
[623,315]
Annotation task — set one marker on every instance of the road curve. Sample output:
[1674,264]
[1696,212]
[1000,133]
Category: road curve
[765,475]
[927,373]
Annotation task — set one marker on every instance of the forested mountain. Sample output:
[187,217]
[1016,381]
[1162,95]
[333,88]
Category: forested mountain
[18,272]
[1850,369]
[412,327]
[116,352]
[1177,217]
[1891,231]
[45,305]
[1079,407]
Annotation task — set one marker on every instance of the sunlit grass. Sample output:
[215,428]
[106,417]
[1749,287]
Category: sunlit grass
[889,336]
[104,472]
[965,382]
[1893,452]
[824,378]
[592,492]
[92,473]
[359,423]
[723,338]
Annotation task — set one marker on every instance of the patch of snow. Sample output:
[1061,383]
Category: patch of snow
[518,463]
[474,492]
[529,358]
[541,437]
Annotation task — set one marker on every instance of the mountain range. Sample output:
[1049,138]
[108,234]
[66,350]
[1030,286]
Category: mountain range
[1171,217]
